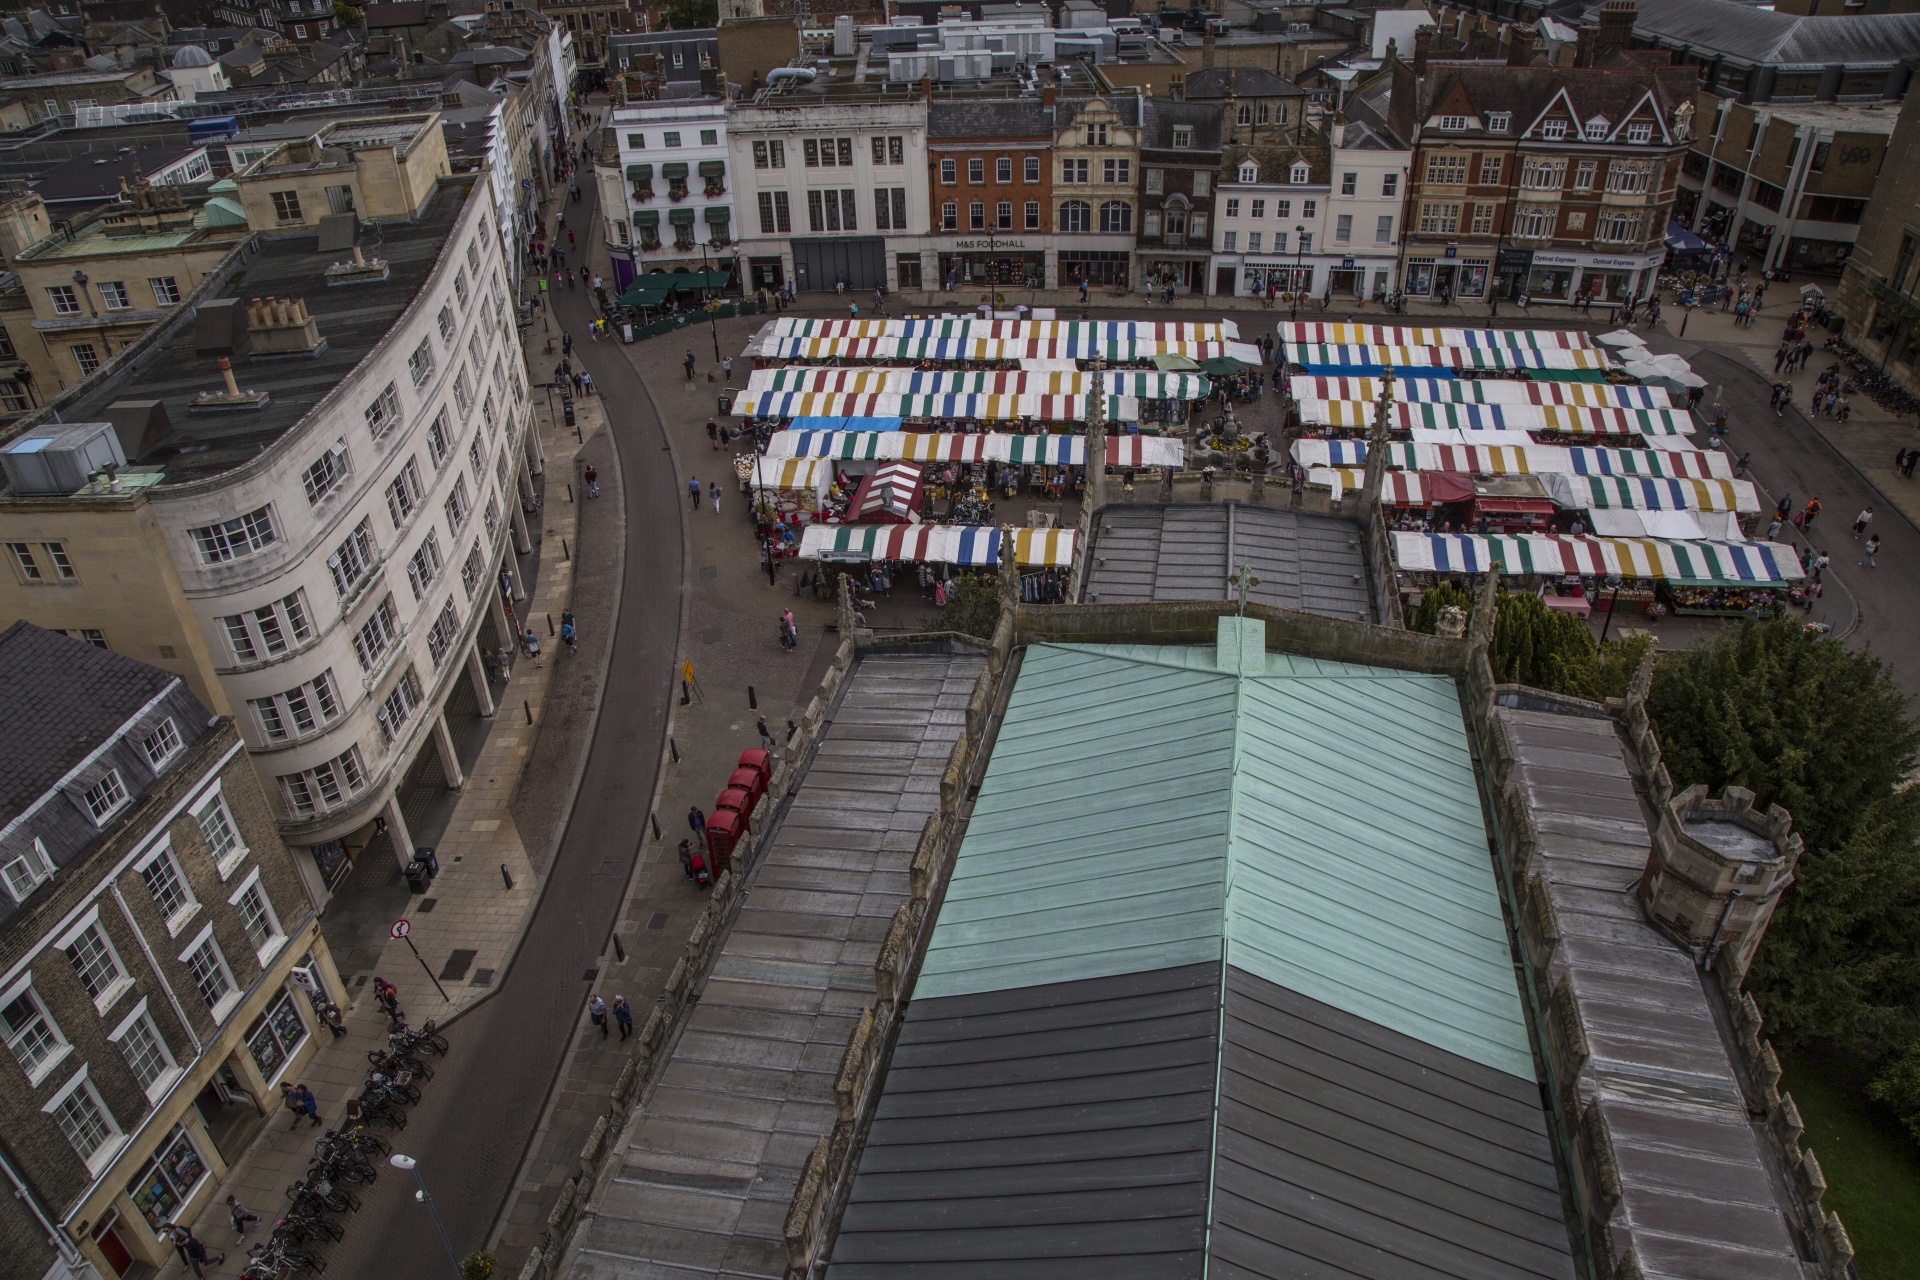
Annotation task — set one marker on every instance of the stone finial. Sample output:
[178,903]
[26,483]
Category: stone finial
[1452,623]
[1009,568]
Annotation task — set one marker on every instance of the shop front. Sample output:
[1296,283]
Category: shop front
[1095,268]
[1000,262]
[1259,277]
[1449,276]
[1187,273]
[1561,277]
[1610,279]
[1552,277]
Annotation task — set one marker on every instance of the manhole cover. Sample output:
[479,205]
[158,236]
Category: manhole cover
[457,965]
[426,905]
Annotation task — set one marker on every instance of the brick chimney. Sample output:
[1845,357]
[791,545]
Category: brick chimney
[1206,48]
[1422,45]
[1616,27]
[1520,46]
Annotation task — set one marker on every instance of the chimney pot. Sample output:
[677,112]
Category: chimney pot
[226,372]
[1422,45]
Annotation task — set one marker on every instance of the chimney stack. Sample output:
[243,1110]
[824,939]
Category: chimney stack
[1616,27]
[1206,48]
[1520,46]
[1422,45]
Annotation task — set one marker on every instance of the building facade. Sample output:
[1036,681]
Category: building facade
[668,204]
[831,188]
[1096,151]
[325,560]
[1785,184]
[163,971]
[1179,171]
[990,177]
[1880,288]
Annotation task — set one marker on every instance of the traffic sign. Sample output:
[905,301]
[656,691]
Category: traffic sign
[399,930]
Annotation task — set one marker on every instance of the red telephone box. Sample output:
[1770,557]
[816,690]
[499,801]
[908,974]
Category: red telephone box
[725,827]
[760,762]
[750,781]
[736,799]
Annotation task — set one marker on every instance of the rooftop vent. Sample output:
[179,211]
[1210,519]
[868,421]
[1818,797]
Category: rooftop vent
[232,400]
[59,460]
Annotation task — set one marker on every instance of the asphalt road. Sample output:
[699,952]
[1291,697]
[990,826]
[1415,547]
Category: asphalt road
[472,1127]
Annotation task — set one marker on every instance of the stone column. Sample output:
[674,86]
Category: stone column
[517,521]
[536,454]
[477,673]
[449,758]
[397,828]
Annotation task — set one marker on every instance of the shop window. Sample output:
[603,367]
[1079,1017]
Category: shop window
[276,1036]
[169,1179]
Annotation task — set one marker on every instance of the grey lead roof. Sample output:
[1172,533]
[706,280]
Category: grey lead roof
[1348,1149]
[1186,552]
[1698,1200]
[1765,37]
[990,118]
[1054,1130]
[60,699]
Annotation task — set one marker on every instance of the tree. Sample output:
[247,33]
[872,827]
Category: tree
[972,607]
[1536,646]
[1820,729]
[1427,617]
[685,15]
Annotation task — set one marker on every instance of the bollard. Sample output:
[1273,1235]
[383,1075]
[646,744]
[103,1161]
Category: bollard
[674,747]
[569,491]
[549,624]
[654,818]
[566,553]
[686,694]
[529,709]
[506,875]
[753,703]
[619,951]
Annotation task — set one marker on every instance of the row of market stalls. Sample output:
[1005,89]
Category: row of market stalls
[864,464]
[1559,458]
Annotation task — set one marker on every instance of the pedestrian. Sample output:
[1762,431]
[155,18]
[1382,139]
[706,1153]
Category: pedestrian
[1773,529]
[1783,508]
[713,492]
[531,643]
[766,735]
[693,490]
[291,1101]
[1740,467]
[686,857]
[1083,291]
[387,995]
[713,433]
[726,369]
[623,1014]
[567,635]
[240,1216]
[586,382]
[1779,357]
[592,477]
[1861,521]
[1873,547]
[309,1105]
[566,344]
[597,1013]
[192,1250]
[1811,511]
[690,363]
[698,821]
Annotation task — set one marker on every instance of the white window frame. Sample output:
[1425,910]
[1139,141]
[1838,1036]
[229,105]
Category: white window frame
[37,1074]
[231,997]
[101,817]
[189,908]
[121,982]
[168,734]
[276,933]
[158,1087]
[36,864]
[102,1157]
[215,801]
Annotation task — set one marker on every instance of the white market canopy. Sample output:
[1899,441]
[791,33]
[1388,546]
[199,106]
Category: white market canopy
[1481,391]
[980,408]
[1645,494]
[1573,419]
[1529,459]
[1303,332]
[974,446]
[1338,355]
[1146,384]
[968,327]
[970,545]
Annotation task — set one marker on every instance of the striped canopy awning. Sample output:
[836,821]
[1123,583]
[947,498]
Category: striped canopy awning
[1700,464]
[1046,450]
[1400,488]
[1615,420]
[1481,391]
[983,408]
[867,541]
[1436,357]
[1118,382]
[943,447]
[850,446]
[1378,335]
[962,327]
[1694,563]
[810,474]
[973,446]
[1641,493]
[1126,351]
[1330,453]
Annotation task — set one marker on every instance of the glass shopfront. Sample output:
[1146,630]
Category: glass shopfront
[1184,275]
[1005,266]
[1256,278]
[1095,267]
[169,1179]
[1551,284]
[275,1036]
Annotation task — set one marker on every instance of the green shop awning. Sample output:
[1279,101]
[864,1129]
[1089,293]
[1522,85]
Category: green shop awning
[644,293]
[680,217]
[719,213]
[647,218]
[639,173]
[713,168]
[672,171]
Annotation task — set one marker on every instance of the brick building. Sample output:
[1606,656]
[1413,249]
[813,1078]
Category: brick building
[990,188]
[1179,172]
[1879,285]
[157,951]
[1096,145]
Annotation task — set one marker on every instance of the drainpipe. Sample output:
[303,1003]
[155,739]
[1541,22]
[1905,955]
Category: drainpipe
[70,1255]
[1713,948]
[159,974]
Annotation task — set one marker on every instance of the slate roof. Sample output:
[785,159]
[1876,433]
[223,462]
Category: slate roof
[61,698]
[97,178]
[1239,82]
[1127,107]
[989,118]
[1186,552]
[1697,1199]
[1043,1130]
[1760,36]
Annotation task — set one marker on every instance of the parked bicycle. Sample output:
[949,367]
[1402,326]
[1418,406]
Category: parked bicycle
[391,1061]
[273,1258]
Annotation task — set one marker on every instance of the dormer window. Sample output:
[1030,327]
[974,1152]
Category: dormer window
[1499,121]
[1596,130]
[1249,172]
[1300,175]
[1453,124]
[1554,130]
[1640,133]
[1182,138]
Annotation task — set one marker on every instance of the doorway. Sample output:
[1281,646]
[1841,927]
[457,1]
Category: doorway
[1223,281]
[1348,282]
[106,1237]
[1444,276]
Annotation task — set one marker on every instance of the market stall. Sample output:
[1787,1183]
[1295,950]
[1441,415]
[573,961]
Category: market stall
[1001,382]
[968,546]
[1693,563]
[794,488]
[1305,332]
[1327,357]
[1443,386]
[891,495]
[1648,494]
[973,446]
[1510,503]
[1450,415]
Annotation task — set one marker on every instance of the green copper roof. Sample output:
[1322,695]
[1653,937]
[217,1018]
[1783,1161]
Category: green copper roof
[1314,823]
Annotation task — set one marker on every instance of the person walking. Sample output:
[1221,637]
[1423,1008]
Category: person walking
[531,643]
[726,369]
[766,735]
[597,1013]
[1809,514]
[387,995]
[291,1101]
[309,1105]
[693,490]
[698,821]
[713,434]
[1740,467]
[623,1014]
[1872,549]
[1861,521]
[240,1216]
[713,492]
[193,1251]
[592,477]
[690,364]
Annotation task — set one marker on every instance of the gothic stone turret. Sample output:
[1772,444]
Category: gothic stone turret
[1717,870]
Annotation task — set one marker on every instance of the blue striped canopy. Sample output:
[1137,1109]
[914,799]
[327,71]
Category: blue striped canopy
[978,545]
[845,424]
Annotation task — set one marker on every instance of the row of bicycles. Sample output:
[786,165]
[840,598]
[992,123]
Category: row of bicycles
[348,1157]
[1864,375]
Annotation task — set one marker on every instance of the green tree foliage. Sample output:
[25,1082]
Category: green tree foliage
[972,607]
[1427,617]
[1820,729]
[1536,646]
[684,15]
[1899,1087]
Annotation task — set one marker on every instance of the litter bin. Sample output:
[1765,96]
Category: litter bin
[418,877]
[425,854]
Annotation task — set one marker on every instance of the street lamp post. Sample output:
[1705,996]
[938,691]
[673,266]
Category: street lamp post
[408,1163]
[1299,257]
[706,302]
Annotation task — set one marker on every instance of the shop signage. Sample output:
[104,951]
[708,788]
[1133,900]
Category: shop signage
[1556,260]
[1453,251]
[1346,264]
[991,245]
[1624,264]
[1512,260]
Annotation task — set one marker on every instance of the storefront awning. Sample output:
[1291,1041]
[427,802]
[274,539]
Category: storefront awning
[672,171]
[713,168]
[718,214]
[639,173]
[970,545]
[646,218]
[680,217]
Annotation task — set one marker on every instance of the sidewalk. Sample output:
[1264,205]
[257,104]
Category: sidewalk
[468,923]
